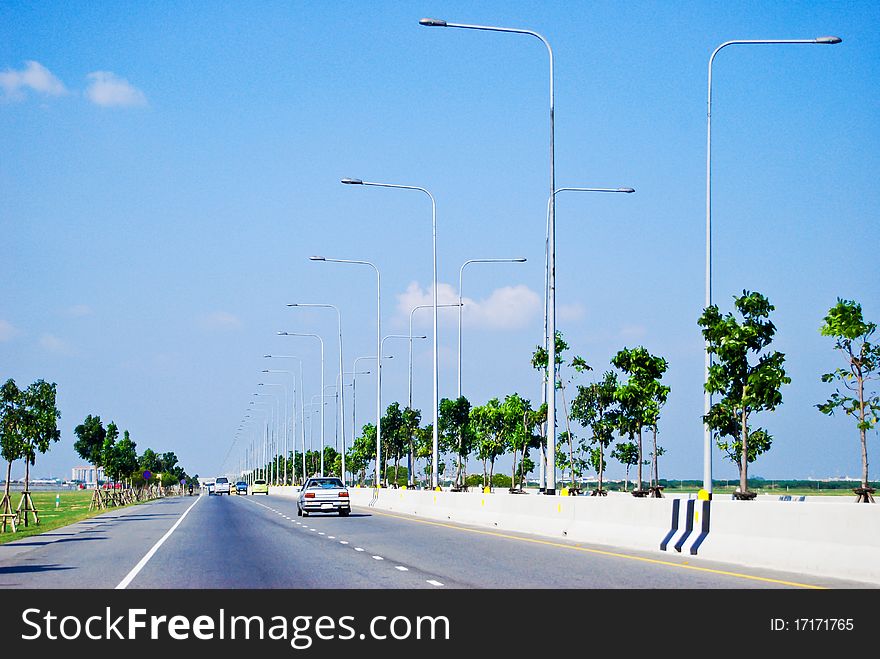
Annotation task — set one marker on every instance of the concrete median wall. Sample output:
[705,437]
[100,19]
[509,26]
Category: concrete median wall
[841,541]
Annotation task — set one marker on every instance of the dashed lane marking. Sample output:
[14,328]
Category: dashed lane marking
[434,582]
[401,568]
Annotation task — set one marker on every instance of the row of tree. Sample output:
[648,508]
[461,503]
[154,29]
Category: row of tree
[625,403]
[102,447]
[28,426]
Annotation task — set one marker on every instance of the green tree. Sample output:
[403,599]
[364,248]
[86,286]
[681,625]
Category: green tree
[637,397]
[520,424]
[362,452]
[488,424]
[89,442]
[411,419]
[108,452]
[392,439]
[456,432]
[593,408]
[852,338]
[41,426]
[627,453]
[745,386]
[11,430]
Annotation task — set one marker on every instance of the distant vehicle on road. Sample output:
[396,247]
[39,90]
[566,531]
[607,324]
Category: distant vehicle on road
[241,487]
[323,494]
[260,487]
[221,485]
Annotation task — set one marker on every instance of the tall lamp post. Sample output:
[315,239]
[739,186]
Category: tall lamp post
[707,397]
[548,478]
[292,434]
[461,303]
[322,385]
[283,426]
[436,411]
[341,388]
[301,402]
[551,349]
[378,352]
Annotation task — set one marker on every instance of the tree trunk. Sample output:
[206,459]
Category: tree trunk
[656,458]
[568,430]
[744,471]
[640,459]
[601,464]
[513,474]
[626,480]
[862,432]
[491,471]
[484,472]
[8,476]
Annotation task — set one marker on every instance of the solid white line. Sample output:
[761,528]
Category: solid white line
[140,566]
[401,568]
[434,583]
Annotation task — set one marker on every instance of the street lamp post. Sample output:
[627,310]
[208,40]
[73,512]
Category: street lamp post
[284,428]
[292,416]
[378,352]
[322,385]
[707,397]
[301,403]
[341,389]
[551,395]
[547,479]
[436,411]
[461,303]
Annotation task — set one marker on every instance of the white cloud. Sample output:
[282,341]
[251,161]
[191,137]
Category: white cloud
[509,307]
[33,76]
[79,310]
[109,90]
[7,330]
[220,320]
[52,343]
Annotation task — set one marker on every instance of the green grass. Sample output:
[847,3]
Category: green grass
[73,506]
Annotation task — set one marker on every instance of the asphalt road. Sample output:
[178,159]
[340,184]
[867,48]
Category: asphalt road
[259,542]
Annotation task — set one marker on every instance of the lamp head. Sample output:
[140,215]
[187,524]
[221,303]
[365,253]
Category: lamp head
[317,258]
[829,40]
[352,181]
[432,22]
[626,190]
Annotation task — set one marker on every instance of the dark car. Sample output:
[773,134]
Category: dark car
[241,487]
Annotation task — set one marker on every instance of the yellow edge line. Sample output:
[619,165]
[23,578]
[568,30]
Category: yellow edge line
[601,552]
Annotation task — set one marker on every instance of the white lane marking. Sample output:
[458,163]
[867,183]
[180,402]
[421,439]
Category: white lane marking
[434,583]
[343,542]
[321,533]
[313,529]
[331,537]
[401,568]
[358,549]
[140,566]
[378,558]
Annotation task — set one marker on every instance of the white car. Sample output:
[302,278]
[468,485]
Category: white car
[221,486]
[322,494]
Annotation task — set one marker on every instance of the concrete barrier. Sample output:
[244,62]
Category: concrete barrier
[838,541]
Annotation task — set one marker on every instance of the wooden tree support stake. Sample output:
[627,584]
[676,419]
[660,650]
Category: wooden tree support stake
[25,506]
[6,513]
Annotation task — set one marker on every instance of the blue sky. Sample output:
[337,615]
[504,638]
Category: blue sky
[167,168]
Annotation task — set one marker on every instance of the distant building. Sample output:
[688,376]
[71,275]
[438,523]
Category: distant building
[87,474]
